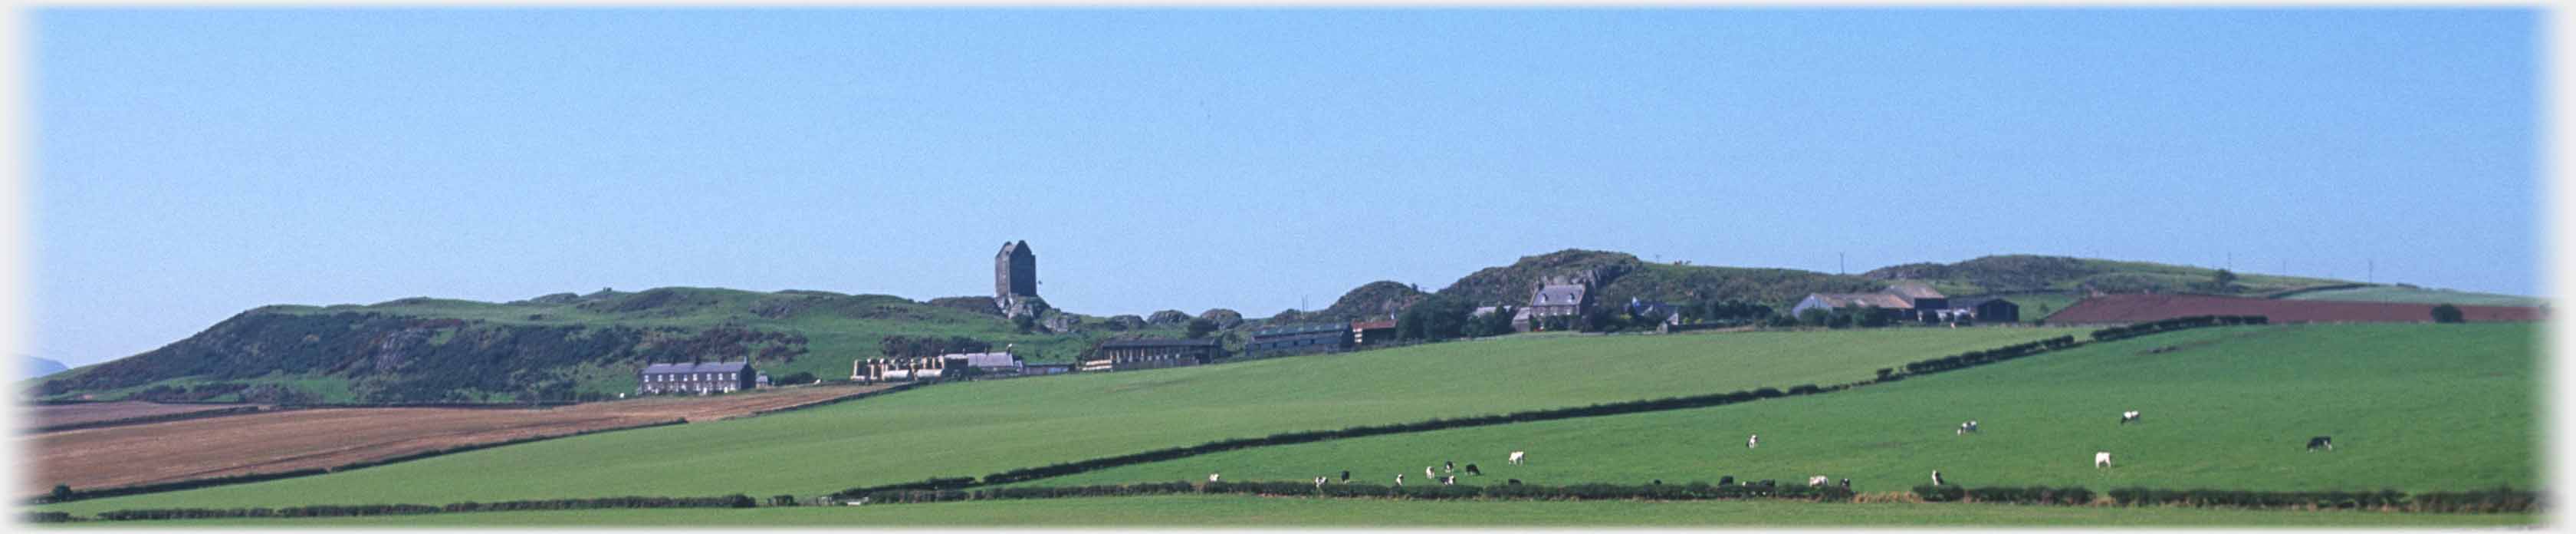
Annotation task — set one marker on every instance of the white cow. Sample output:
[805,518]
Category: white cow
[1444,481]
[1817,480]
[1751,442]
[2128,417]
[1211,477]
[1426,473]
[1936,477]
[2101,460]
[1399,480]
[1516,458]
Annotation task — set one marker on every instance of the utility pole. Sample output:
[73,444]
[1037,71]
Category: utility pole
[1839,266]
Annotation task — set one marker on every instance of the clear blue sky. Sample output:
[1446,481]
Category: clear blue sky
[194,163]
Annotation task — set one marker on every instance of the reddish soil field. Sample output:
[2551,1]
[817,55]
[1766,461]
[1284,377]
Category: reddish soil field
[288,440]
[2143,308]
[96,412]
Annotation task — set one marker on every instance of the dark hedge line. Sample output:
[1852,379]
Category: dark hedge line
[2177,323]
[1660,492]
[729,501]
[2068,496]
[467,405]
[82,495]
[1982,357]
[2490,501]
[46,517]
[2501,500]
[837,400]
[163,418]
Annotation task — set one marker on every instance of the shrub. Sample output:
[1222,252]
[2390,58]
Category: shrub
[2446,314]
[1931,493]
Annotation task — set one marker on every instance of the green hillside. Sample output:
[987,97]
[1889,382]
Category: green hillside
[2417,295]
[1210,511]
[2020,273]
[982,427]
[2414,407]
[558,346]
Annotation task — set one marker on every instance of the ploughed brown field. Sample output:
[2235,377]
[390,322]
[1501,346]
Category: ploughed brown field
[288,440]
[94,412]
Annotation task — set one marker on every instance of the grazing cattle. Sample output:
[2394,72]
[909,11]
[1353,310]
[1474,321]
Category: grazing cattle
[1211,477]
[1846,483]
[1426,473]
[1346,475]
[1319,482]
[1656,482]
[1751,442]
[1516,458]
[1472,470]
[1967,428]
[2321,442]
[2101,460]
[1514,481]
[1817,480]
[2127,417]
[1448,466]
[1399,480]
[1724,480]
[1444,481]
[1936,477]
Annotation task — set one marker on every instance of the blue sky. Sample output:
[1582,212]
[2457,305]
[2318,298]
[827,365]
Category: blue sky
[194,163]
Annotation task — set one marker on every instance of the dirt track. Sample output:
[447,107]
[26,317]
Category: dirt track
[327,437]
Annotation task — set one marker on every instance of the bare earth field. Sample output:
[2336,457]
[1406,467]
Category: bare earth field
[326,437]
[95,412]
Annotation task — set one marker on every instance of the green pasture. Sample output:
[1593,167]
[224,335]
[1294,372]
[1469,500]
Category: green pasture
[1213,511]
[2412,407]
[2418,295]
[976,428]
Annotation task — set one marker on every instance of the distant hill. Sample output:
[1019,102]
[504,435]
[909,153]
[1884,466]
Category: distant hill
[557,346]
[2414,295]
[38,367]
[1368,302]
[2026,273]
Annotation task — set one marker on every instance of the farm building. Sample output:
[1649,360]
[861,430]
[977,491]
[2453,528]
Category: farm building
[1906,299]
[1983,309]
[2124,309]
[1041,369]
[1366,334]
[1134,354]
[1554,298]
[991,362]
[1299,339]
[884,369]
[698,378]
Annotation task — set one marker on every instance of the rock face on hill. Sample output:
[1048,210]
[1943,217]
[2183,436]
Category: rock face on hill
[1373,301]
[1620,276]
[1511,284]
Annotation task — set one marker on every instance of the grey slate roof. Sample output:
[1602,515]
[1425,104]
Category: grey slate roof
[1300,329]
[1558,295]
[1139,343]
[667,368]
[1846,300]
[1913,290]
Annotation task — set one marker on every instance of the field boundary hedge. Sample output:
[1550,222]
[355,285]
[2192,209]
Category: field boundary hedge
[1935,365]
[355,510]
[148,419]
[2499,500]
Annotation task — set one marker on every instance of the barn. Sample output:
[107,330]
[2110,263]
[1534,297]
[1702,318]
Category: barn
[1985,309]
[700,378]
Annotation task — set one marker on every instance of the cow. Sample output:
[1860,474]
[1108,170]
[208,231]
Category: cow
[1846,483]
[1444,481]
[1211,477]
[2101,460]
[1472,470]
[2320,442]
[1399,480]
[1936,477]
[1818,480]
[1967,428]
[1724,480]
[1655,482]
[1448,466]
[1319,482]
[1346,475]
[1426,473]
[2127,417]
[1751,442]
[1513,481]
[1516,458]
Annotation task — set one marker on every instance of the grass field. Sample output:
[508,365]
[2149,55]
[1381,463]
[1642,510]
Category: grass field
[2413,407]
[976,428]
[2419,295]
[1242,511]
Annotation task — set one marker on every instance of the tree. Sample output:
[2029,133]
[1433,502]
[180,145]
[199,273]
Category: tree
[1435,318]
[1025,323]
[2447,314]
[1815,317]
[62,492]
[1200,327]
[799,377]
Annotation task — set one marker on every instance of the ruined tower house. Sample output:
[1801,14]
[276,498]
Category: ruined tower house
[1015,276]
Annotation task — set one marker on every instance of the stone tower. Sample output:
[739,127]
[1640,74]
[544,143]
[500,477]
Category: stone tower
[1015,274]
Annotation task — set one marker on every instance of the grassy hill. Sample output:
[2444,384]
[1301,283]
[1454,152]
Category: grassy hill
[558,346]
[2026,273]
[982,427]
[2414,407]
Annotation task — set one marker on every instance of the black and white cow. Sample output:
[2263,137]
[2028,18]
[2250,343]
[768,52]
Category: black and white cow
[1472,470]
[1846,483]
[1346,475]
[1726,480]
[1936,477]
[1448,466]
[2321,442]
[2127,417]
